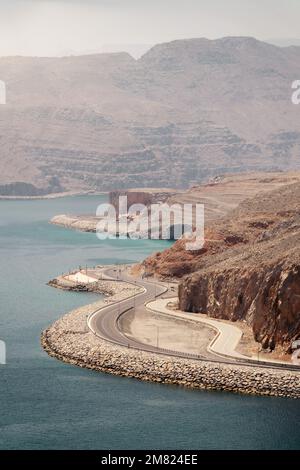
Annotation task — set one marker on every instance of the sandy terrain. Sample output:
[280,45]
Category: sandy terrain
[224,193]
[168,333]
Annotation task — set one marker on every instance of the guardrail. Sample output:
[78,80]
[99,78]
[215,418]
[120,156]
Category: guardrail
[164,351]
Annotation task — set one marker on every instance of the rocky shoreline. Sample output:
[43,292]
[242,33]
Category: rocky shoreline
[70,341]
[81,223]
[115,290]
[52,195]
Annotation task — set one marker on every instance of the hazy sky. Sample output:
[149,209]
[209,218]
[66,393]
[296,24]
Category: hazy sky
[58,27]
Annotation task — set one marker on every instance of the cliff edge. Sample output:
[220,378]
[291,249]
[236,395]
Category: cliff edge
[248,269]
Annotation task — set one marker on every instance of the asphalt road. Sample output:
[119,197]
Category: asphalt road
[104,323]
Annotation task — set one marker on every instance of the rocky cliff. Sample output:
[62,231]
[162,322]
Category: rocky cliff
[249,268]
[220,197]
[257,276]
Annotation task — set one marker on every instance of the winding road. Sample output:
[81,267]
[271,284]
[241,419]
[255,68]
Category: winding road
[104,324]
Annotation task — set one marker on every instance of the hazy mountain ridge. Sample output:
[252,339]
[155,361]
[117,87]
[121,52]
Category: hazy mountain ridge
[184,111]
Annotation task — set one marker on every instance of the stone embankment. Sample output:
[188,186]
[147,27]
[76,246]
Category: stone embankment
[86,223]
[116,290]
[70,340]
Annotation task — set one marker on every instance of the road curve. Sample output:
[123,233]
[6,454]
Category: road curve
[104,323]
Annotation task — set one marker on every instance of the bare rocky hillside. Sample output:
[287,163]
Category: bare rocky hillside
[187,110]
[249,268]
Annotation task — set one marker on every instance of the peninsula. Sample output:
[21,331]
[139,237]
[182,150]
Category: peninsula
[94,337]
[238,297]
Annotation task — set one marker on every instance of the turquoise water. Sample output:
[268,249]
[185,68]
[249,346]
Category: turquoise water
[46,404]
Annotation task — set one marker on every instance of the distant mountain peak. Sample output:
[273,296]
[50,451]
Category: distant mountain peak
[187,110]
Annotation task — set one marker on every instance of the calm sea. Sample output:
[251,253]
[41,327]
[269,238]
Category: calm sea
[46,404]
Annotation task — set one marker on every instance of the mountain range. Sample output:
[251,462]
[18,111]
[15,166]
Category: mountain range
[185,111]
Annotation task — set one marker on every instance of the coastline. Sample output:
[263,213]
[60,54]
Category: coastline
[52,196]
[81,223]
[70,340]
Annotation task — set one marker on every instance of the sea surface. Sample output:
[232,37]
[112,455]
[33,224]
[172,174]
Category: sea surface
[46,404]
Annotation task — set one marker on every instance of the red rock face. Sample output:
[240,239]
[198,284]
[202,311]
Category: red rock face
[267,298]
[248,270]
[277,319]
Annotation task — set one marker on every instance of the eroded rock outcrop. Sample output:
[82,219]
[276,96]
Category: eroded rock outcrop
[249,268]
[225,227]
[266,295]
